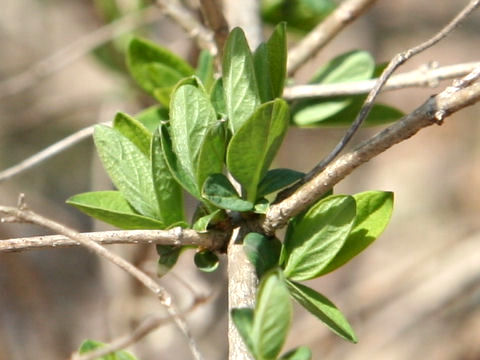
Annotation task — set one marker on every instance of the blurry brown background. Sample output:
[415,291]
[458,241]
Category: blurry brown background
[414,294]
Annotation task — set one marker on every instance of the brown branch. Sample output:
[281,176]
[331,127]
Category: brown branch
[433,111]
[212,11]
[77,49]
[23,215]
[347,12]
[177,236]
[425,76]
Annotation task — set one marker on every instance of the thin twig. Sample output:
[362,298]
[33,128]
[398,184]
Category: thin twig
[77,49]
[212,240]
[433,111]
[398,60]
[343,15]
[23,215]
[426,76]
[212,11]
[183,17]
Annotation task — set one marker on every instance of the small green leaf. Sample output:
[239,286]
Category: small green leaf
[134,131]
[89,345]
[299,353]
[374,210]
[239,82]
[315,237]
[206,260]
[202,223]
[168,192]
[272,316]
[205,69]
[323,309]
[262,251]
[168,258]
[155,67]
[243,320]
[253,147]
[276,179]
[129,169]
[152,116]
[217,98]
[112,208]
[219,191]
[261,206]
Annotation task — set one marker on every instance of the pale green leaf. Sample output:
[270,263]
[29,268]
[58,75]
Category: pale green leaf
[133,130]
[300,353]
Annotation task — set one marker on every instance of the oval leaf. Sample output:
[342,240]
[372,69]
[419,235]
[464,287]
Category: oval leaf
[206,260]
[276,179]
[243,320]
[219,191]
[168,256]
[152,116]
[262,251]
[315,237]
[134,131]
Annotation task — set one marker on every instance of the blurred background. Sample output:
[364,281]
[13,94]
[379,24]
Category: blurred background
[414,294]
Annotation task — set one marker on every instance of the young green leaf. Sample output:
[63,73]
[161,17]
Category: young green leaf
[272,316]
[129,169]
[253,147]
[374,210]
[243,320]
[220,192]
[168,256]
[323,309]
[217,98]
[239,82]
[134,131]
[262,251]
[206,260]
[276,179]
[203,222]
[168,192]
[89,345]
[299,353]
[205,69]
[112,208]
[315,237]
[155,67]
[152,116]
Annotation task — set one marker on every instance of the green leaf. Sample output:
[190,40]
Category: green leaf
[374,210]
[168,192]
[134,131]
[270,61]
[89,345]
[239,82]
[323,309]
[202,223]
[299,353]
[253,147]
[152,116]
[219,191]
[217,98]
[276,179]
[168,258]
[129,169]
[155,67]
[205,69]
[112,208]
[272,316]
[262,251]
[315,237]
[206,260]
[243,320]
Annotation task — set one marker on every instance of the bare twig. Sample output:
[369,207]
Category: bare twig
[245,14]
[343,15]
[77,49]
[177,236]
[398,60]
[433,111]
[212,11]
[183,17]
[22,214]
[426,76]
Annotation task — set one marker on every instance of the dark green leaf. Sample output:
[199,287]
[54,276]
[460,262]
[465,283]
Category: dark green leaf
[217,98]
[168,192]
[152,116]
[89,345]
[206,260]
[262,73]
[315,237]
[112,208]
[243,320]
[219,191]
[168,258]
[239,82]
[374,210]
[272,316]
[134,131]
[323,309]
[129,169]
[202,223]
[300,353]
[262,251]
[205,69]
[276,179]
[253,147]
